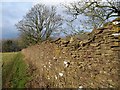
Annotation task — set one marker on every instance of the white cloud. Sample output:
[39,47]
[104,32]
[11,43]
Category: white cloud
[48,2]
[0,21]
[16,0]
[12,12]
[53,2]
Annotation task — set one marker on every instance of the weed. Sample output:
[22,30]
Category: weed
[14,71]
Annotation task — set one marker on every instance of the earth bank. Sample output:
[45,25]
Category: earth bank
[93,62]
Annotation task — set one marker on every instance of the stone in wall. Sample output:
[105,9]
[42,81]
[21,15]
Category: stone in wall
[90,63]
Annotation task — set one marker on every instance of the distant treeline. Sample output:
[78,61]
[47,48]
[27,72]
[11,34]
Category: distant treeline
[11,45]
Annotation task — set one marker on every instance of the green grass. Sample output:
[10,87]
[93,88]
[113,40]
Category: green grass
[14,70]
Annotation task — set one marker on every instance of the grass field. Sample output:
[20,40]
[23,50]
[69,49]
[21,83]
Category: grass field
[14,70]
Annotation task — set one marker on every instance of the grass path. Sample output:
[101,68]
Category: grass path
[14,71]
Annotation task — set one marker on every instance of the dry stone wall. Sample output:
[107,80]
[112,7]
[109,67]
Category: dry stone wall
[75,63]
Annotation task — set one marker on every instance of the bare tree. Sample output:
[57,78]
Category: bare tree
[39,23]
[97,12]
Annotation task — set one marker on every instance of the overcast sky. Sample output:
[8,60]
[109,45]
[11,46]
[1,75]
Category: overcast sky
[14,10]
